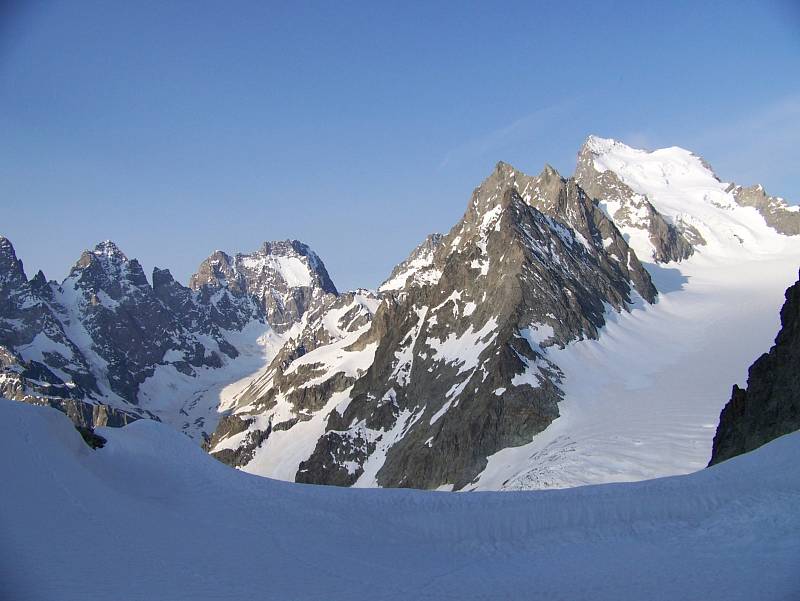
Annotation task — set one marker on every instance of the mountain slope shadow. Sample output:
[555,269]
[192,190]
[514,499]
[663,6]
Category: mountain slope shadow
[666,279]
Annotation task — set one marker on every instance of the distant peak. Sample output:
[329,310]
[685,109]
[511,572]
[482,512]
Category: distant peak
[284,247]
[109,249]
[6,248]
[39,279]
[507,173]
[219,255]
[162,277]
[106,258]
[296,263]
[549,172]
[10,266]
[598,145]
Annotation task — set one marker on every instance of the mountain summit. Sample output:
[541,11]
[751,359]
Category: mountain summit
[286,277]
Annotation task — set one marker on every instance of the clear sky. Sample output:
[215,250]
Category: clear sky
[176,128]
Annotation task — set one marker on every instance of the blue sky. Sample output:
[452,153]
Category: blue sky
[176,128]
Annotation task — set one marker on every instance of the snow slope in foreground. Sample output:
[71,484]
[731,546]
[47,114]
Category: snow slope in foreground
[150,516]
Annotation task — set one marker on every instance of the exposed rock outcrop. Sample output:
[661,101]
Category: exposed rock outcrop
[783,218]
[770,405]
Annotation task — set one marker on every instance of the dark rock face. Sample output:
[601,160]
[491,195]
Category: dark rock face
[12,274]
[627,208]
[770,405]
[776,212]
[95,441]
[243,453]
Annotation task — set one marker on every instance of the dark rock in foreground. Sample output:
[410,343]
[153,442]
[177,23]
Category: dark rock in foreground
[770,405]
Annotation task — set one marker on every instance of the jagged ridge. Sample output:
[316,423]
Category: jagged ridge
[88,345]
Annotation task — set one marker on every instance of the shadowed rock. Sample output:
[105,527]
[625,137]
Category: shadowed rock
[770,405]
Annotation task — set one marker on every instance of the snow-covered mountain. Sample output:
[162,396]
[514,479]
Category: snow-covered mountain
[106,346]
[149,516]
[567,330]
[528,347]
[453,362]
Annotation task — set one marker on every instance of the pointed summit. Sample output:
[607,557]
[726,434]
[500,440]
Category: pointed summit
[5,246]
[162,278]
[549,172]
[106,252]
[108,248]
[598,145]
[107,268]
[11,270]
[40,286]
[216,271]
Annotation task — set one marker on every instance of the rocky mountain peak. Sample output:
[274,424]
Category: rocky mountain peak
[549,172]
[597,145]
[11,270]
[217,271]
[285,277]
[162,278]
[566,211]
[6,248]
[106,268]
[107,248]
[39,279]
[40,286]
[541,191]
[317,275]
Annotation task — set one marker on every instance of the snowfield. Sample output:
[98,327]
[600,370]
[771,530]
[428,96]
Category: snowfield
[150,516]
[192,404]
